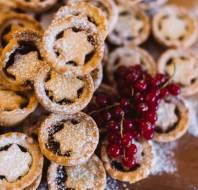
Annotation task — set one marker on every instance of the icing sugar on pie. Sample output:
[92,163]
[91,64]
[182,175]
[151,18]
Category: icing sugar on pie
[182,65]
[151,4]
[68,139]
[73,46]
[133,27]
[128,57]
[183,30]
[20,161]
[172,122]
[61,94]
[88,176]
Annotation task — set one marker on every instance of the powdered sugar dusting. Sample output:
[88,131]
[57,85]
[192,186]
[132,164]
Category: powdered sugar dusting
[164,158]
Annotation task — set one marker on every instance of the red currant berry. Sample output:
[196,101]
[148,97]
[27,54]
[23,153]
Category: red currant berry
[164,92]
[101,100]
[140,86]
[152,96]
[129,162]
[113,125]
[127,124]
[124,103]
[139,98]
[161,79]
[127,139]
[114,138]
[151,117]
[142,107]
[114,150]
[118,112]
[131,150]
[147,130]
[153,82]
[174,89]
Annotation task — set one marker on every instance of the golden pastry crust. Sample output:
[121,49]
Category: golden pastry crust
[10,117]
[35,184]
[153,4]
[181,126]
[21,60]
[126,3]
[84,52]
[108,8]
[34,170]
[63,94]
[133,28]
[128,57]
[183,31]
[12,21]
[97,76]
[182,65]
[140,173]
[77,138]
[94,176]
[35,5]
[91,13]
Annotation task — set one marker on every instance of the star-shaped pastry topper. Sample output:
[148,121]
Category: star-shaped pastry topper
[61,87]
[185,70]
[71,137]
[14,163]
[73,46]
[25,67]
[166,115]
[9,100]
[177,29]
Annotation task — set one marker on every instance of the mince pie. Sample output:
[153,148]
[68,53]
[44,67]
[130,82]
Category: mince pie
[108,8]
[88,176]
[182,65]
[68,139]
[91,13]
[97,75]
[21,162]
[21,59]
[15,106]
[172,122]
[175,27]
[63,94]
[125,56]
[73,46]
[133,27]
[152,4]
[116,170]
[10,22]
[35,5]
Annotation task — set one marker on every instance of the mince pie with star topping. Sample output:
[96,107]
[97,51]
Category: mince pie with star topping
[63,94]
[172,122]
[88,176]
[35,5]
[11,21]
[108,8]
[127,57]
[68,139]
[175,27]
[73,46]
[116,170]
[21,59]
[89,12]
[21,161]
[182,65]
[15,106]
[133,27]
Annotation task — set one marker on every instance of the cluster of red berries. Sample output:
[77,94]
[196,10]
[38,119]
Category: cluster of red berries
[134,114]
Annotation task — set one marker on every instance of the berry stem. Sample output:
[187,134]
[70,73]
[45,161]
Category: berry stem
[121,126]
[104,109]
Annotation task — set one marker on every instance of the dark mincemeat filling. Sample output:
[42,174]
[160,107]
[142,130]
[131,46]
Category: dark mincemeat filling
[52,144]
[170,128]
[119,166]
[61,178]
[23,149]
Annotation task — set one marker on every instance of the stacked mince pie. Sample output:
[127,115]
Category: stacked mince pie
[53,108]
